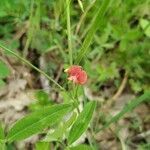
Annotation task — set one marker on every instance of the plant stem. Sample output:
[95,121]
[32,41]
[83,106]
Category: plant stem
[69,32]
[75,97]
[30,31]
[62,144]
[32,66]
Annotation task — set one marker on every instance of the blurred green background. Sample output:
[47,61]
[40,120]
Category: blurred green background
[121,45]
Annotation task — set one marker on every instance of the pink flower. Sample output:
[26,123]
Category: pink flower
[76,74]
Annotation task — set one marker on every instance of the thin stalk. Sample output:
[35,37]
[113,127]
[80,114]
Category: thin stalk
[62,144]
[69,32]
[75,97]
[32,66]
[30,31]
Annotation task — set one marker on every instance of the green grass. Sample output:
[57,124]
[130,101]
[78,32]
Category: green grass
[69,32]
[96,22]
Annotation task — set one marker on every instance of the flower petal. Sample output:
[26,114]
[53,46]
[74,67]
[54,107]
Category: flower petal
[77,74]
[73,70]
[82,77]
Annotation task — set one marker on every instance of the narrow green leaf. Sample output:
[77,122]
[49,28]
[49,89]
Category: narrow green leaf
[37,121]
[98,20]
[127,108]
[82,122]
[81,5]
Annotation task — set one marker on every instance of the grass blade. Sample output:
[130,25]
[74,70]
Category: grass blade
[95,24]
[127,108]
[69,31]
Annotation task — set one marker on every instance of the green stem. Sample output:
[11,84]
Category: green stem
[62,144]
[32,66]
[30,31]
[69,32]
[75,97]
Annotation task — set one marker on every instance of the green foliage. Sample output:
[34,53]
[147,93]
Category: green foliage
[42,146]
[61,130]
[144,146]
[1,132]
[2,83]
[145,24]
[4,72]
[115,40]
[121,44]
[128,108]
[81,147]
[94,25]
[81,5]
[82,122]
[37,121]
[41,41]
[2,138]
[108,39]
[42,97]
[107,72]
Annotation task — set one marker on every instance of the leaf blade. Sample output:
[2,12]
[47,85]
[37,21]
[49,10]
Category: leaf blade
[82,122]
[37,121]
[60,131]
